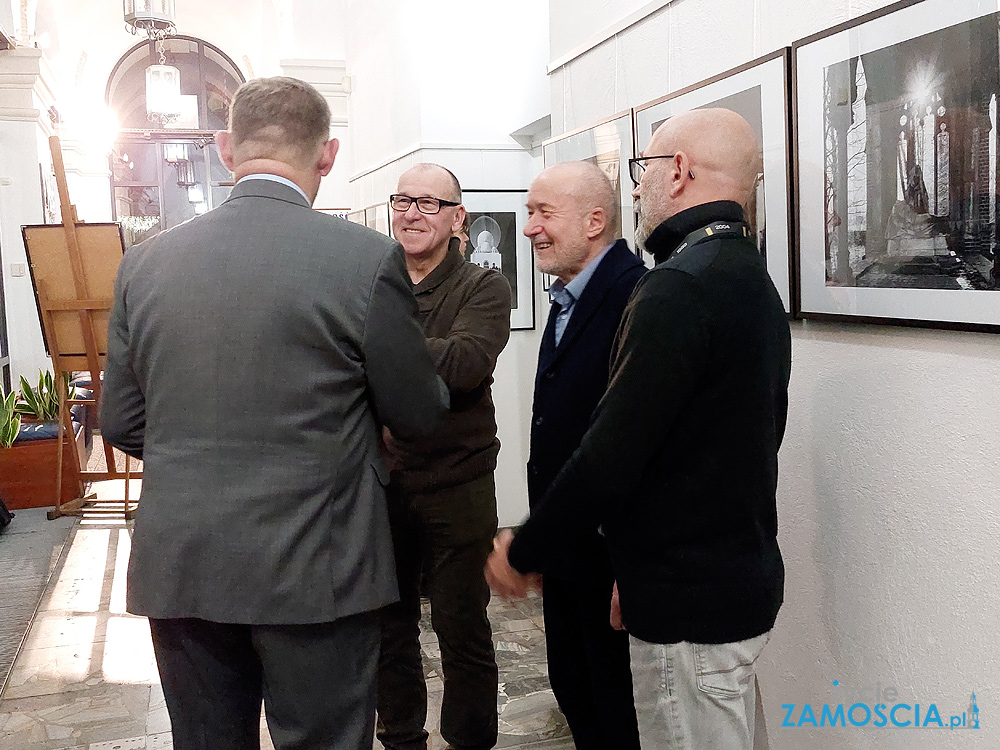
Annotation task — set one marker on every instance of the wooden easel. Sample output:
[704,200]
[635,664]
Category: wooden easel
[73,268]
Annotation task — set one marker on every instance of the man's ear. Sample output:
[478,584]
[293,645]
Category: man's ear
[224,144]
[456,225]
[597,222]
[680,174]
[328,156]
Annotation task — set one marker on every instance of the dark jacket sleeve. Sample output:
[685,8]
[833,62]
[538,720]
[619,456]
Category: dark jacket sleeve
[468,354]
[123,404]
[408,397]
[661,353]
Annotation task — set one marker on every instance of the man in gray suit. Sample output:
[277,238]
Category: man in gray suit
[254,354]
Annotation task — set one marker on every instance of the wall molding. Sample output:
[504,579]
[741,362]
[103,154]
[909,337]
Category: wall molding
[435,147]
[609,33]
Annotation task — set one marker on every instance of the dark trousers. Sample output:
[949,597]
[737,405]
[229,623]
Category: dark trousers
[589,667]
[317,683]
[446,535]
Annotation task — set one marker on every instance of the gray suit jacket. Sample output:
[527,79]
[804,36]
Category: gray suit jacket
[253,353]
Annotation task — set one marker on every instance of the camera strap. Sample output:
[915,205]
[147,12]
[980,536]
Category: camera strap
[715,229]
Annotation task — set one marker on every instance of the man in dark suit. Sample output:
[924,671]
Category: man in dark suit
[254,353]
[573,213]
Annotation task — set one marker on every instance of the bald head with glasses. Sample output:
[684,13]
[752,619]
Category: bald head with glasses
[427,212]
[697,157]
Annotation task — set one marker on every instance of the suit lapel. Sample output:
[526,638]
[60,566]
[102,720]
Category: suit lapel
[618,260]
[548,347]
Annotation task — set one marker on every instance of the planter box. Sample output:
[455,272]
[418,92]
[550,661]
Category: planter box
[28,473]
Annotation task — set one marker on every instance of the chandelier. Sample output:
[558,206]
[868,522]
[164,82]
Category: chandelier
[155,18]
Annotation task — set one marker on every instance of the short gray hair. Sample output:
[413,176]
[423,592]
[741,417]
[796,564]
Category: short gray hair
[279,114]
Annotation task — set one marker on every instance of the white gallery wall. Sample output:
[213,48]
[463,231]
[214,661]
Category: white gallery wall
[449,87]
[888,513]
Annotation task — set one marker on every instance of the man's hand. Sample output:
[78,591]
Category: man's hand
[616,610]
[501,577]
[389,448]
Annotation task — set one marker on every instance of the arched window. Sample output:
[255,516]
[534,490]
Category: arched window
[165,174]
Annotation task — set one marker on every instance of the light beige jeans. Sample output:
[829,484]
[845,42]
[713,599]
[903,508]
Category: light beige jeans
[696,696]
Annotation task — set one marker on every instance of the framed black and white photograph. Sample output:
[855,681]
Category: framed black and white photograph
[758,91]
[496,240]
[608,144]
[898,151]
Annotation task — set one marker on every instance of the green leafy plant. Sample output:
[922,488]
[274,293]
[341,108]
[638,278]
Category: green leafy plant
[42,401]
[10,420]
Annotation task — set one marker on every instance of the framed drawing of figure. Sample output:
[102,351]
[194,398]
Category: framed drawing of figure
[759,92]
[496,240]
[898,149]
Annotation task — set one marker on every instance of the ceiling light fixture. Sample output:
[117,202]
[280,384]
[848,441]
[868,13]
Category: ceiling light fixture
[156,19]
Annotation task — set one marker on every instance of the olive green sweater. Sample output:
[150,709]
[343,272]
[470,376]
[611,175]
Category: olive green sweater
[465,313]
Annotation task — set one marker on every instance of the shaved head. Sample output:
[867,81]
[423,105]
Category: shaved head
[717,157]
[573,217]
[453,191]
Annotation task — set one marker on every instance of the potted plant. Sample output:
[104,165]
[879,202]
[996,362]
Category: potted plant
[10,420]
[29,448]
[41,403]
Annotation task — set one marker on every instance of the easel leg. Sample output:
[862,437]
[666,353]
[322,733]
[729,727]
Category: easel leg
[73,507]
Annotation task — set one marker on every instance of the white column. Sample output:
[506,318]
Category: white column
[24,127]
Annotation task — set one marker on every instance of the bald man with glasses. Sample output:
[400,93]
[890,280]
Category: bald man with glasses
[442,498]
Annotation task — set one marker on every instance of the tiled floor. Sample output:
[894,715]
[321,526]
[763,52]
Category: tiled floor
[30,549]
[85,677]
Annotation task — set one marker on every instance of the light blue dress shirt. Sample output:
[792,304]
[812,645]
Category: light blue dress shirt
[567,294]
[276,178]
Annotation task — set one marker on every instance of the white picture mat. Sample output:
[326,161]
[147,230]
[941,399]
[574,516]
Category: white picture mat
[957,306]
[592,142]
[770,76]
[523,316]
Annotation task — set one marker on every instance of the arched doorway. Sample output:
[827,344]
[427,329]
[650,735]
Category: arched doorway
[163,175]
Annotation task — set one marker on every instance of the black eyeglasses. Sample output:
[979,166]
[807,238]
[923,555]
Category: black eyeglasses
[425,205]
[637,166]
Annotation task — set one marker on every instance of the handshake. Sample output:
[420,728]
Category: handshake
[510,584]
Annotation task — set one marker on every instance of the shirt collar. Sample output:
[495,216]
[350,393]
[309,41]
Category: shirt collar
[278,179]
[671,233]
[452,260]
[574,289]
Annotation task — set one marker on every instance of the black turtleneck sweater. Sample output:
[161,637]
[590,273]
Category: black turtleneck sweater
[680,464]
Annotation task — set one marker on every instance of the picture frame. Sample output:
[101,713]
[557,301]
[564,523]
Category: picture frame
[759,91]
[896,145]
[609,144]
[503,213]
[357,217]
[377,217]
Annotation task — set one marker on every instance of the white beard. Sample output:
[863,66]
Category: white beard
[641,233]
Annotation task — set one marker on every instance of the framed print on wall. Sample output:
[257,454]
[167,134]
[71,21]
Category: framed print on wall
[357,217]
[496,240]
[608,144]
[759,92]
[898,151]
[377,218]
